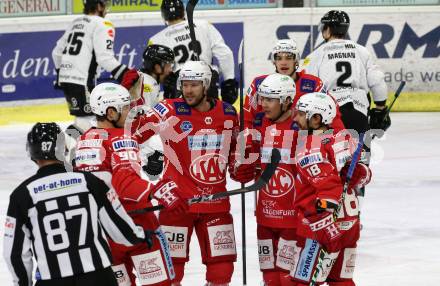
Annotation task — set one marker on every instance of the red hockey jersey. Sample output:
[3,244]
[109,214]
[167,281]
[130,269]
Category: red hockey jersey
[319,160]
[197,147]
[275,207]
[113,156]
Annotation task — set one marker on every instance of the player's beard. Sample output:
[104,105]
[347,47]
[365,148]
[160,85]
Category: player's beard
[198,102]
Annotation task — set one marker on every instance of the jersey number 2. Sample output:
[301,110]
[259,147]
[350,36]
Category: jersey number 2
[183,52]
[344,67]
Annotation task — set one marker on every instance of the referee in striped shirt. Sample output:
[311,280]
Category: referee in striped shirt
[59,218]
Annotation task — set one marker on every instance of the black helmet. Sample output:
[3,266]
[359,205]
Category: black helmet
[338,21]
[156,54]
[172,10]
[45,141]
[90,5]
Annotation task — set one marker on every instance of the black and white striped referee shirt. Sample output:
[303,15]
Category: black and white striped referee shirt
[59,218]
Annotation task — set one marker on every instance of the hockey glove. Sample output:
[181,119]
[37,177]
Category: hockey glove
[325,231]
[239,172]
[229,90]
[56,83]
[149,234]
[360,178]
[380,119]
[166,194]
[242,173]
[154,164]
[129,78]
[169,86]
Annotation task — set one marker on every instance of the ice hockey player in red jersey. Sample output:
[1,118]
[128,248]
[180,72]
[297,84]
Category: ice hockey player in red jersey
[112,154]
[285,56]
[320,156]
[198,136]
[276,220]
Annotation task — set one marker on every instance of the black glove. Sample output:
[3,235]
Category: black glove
[149,234]
[380,119]
[154,164]
[229,90]
[56,83]
[169,86]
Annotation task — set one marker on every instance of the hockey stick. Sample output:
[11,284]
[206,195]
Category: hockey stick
[353,163]
[260,183]
[193,45]
[241,141]
[396,95]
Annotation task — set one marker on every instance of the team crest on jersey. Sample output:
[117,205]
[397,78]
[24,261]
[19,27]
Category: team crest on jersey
[161,109]
[182,108]
[310,159]
[307,85]
[209,168]
[125,144]
[186,126]
[228,109]
[280,184]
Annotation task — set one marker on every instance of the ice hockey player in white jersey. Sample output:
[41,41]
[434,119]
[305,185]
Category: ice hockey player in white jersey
[158,63]
[86,44]
[210,44]
[349,73]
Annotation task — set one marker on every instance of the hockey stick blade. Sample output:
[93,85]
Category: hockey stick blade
[261,182]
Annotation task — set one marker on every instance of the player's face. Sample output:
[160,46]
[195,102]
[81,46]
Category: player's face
[285,63]
[123,116]
[301,119]
[271,107]
[167,69]
[192,91]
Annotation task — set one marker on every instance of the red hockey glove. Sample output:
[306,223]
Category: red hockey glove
[361,175]
[325,230]
[129,78]
[166,194]
[242,173]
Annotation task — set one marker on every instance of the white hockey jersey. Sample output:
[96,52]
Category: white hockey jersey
[211,41]
[348,72]
[87,43]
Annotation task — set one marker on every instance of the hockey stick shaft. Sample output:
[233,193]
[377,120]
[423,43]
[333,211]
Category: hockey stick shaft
[396,94]
[261,182]
[241,141]
[190,15]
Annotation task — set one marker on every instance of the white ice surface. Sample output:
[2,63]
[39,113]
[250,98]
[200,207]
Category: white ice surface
[400,242]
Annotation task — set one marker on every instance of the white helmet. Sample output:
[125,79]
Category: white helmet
[277,86]
[107,95]
[285,46]
[195,70]
[317,103]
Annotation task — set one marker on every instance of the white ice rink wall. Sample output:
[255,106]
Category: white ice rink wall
[405,41]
